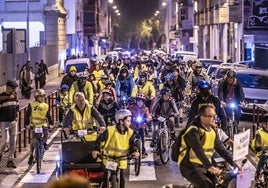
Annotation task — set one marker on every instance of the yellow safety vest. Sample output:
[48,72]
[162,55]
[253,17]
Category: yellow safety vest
[264,141]
[117,145]
[64,100]
[208,141]
[38,116]
[84,121]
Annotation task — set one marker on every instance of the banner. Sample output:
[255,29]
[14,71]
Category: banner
[241,145]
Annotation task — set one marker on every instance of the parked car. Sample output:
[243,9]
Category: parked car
[255,86]
[250,63]
[207,62]
[80,64]
[185,55]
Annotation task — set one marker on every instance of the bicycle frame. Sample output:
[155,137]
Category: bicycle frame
[38,147]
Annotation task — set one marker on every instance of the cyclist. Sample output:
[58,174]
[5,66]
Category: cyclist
[81,116]
[124,83]
[63,101]
[107,107]
[261,146]
[118,141]
[195,76]
[70,78]
[231,91]
[197,146]
[37,115]
[82,85]
[139,110]
[164,106]
[145,87]
[205,96]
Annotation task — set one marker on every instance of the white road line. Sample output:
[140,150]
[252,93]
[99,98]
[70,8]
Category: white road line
[48,165]
[147,171]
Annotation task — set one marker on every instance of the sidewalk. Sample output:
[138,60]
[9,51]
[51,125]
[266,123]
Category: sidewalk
[7,174]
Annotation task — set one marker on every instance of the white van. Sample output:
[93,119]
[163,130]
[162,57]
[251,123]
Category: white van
[80,64]
[185,55]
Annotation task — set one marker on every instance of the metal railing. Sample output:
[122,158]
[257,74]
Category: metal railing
[258,112]
[24,135]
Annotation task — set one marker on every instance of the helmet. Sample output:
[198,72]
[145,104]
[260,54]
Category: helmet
[231,73]
[202,84]
[84,75]
[165,91]
[140,96]
[198,64]
[106,91]
[122,114]
[108,82]
[64,86]
[39,92]
[170,77]
[72,68]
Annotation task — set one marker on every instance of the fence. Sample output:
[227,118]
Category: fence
[258,112]
[24,135]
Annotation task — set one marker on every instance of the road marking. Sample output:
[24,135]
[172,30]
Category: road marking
[147,171]
[48,165]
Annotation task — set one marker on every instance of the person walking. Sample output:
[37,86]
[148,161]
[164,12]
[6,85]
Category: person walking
[43,73]
[9,107]
[24,78]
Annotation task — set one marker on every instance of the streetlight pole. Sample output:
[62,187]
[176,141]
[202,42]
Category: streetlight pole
[27,31]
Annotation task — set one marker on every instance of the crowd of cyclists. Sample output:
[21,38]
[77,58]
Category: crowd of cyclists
[114,92]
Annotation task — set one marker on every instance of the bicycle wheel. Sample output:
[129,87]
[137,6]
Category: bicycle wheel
[235,128]
[230,129]
[38,157]
[114,181]
[137,162]
[164,147]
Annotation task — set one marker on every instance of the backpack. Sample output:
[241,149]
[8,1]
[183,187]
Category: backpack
[176,146]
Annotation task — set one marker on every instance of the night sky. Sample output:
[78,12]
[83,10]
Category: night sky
[136,10]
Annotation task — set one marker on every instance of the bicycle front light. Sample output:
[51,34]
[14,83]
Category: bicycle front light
[232,105]
[139,119]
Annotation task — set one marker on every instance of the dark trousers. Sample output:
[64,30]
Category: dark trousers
[197,176]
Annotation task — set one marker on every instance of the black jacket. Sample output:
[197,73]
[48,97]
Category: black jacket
[8,107]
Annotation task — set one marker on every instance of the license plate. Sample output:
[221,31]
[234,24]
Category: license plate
[110,165]
[82,132]
[38,130]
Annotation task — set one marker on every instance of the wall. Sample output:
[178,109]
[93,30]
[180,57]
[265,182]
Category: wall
[8,68]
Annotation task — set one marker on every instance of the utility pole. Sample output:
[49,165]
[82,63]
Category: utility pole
[27,31]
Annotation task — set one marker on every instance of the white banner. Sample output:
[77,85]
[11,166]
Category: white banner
[241,144]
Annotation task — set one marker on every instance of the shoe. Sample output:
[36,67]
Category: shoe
[45,146]
[144,155]
[10,164]
[30,161]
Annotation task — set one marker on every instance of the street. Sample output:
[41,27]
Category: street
[153,172]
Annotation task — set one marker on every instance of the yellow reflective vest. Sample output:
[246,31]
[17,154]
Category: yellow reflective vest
[264,141]
[64,100]
[207,140]
[38,116]
[82,121]
[147,90]
[88,92]
[117,145]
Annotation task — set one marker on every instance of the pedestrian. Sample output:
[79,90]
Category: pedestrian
[32,77]
[37,72]
[24,78]
[38,115]
[44,72]
[9,107]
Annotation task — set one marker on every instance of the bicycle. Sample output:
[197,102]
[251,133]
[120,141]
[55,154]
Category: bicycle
[112,179]
[232,125]
[138,141]
[227,178]
[38,147]
[263,183]
[163,139]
